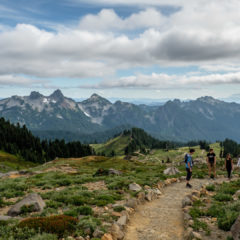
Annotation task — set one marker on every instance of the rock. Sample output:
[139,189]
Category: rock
[32,199]
[173,180]
[171,171]
[196,235]
[186,202]
[167,182]
[203,192]
[236,195]
[141,197]
[112,171]
[131,203]
[70,238]
[88,231]
[116,214]
[235,229]
[107,236]
[135,187]
[79,238]
[195,198]
[5,218]
[146,187]
[160,185]
[122,221]
[182,178]
[186,217]
[98,234]
[116,232]
[196,193]
[188,234]
[157,191]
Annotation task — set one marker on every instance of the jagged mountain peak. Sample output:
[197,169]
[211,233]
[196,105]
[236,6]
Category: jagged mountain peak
[208,99]
[57,95]
[35,95]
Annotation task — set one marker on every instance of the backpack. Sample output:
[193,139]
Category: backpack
[186,158]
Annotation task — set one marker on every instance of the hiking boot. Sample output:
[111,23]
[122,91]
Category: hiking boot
[188,185]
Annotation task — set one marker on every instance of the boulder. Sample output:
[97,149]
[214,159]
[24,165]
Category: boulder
[107,236]
[32,199]
[131,203]
[141,197]
[236,195]
[5,218]
[196,235]
[122,221]
[171,171]
[116,232]
[135,187]
[235,229]
[186,202]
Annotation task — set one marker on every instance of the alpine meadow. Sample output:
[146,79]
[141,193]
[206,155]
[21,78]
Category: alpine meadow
[119,120]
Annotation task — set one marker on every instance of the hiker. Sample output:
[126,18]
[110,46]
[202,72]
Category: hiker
[211,161]
[229,165]
[189,165]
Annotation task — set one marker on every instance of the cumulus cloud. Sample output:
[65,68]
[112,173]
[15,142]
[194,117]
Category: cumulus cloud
[12,80]
[202,33]
[165,81]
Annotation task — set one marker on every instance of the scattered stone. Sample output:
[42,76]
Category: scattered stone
[146,187]
[107,236]
[196,235]
[235,230]
[141,197]
[236,195]
[32,199]
[112,171]
[122,221]
[116,214]
[135,187]
[116,232]
[160,185]
[186,202]
[171,171]
[131,203]
[188,234]
[98,234]
[196,193]
[79,238]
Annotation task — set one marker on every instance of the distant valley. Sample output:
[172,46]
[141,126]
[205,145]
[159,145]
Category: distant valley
[97,119]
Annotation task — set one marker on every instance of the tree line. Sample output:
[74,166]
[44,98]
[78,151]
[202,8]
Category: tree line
[18,140]
[142,141]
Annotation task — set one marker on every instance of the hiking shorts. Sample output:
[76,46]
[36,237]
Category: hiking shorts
[189,174]
[211,166]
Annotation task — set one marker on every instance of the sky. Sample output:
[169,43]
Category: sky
[155,49]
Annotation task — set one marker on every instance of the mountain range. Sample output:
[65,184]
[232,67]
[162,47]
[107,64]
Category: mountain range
[98,118]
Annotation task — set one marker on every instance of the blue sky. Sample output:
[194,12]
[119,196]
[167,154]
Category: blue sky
[120,49]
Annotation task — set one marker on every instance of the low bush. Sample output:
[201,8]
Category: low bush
[119,209]
[222,197]
[89,222]
[44,236]
[210,188]
[25,209]
[226,221]
[196,212]
[83,210]
[58,225]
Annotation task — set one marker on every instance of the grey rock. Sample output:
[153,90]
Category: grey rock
[171,171]
[196,235]
[5,218]
[235,229]
[98,234]
[116,232]
[131,203]
[32,199]
[112,171]
[122,221]
[135,187]
[186,202]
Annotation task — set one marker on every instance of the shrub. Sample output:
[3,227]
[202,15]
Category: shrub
[27,209]
[210,188]
[226,221]
[195,212]
[222,197]
[89,222]
[15,233]
[54,224]
[119,209]
[83,210]
[44,236]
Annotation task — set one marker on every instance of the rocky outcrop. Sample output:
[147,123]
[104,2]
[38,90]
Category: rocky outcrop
[135,187]
[171,171]
[32,199]
[235,230]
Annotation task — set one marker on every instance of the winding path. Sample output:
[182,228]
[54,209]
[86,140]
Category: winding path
[162,219]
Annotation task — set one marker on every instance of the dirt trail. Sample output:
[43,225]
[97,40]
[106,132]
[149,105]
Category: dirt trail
[162,219]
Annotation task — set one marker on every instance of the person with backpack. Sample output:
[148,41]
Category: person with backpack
[229,165]
[189,165]
[211,161]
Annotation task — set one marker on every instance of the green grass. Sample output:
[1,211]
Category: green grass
[117,145]
[9,162]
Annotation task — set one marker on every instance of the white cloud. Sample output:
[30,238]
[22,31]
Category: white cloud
[12,80]
[165,81]
[202,33]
